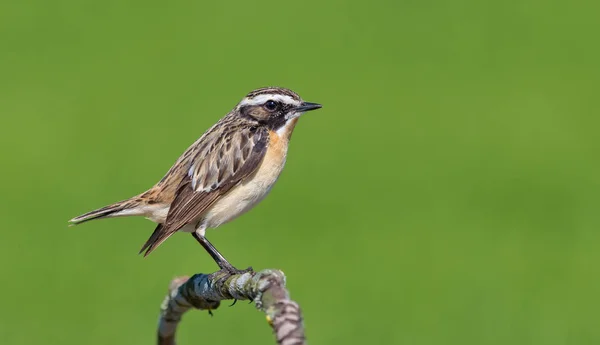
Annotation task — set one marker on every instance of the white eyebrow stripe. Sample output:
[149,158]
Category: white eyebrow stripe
[260,99]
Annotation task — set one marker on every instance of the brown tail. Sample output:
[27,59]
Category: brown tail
[129,207]
[158,236]
[121,208]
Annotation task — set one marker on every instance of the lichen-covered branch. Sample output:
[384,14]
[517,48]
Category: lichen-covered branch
[205,291]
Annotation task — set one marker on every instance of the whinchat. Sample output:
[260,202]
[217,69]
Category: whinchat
[225,173]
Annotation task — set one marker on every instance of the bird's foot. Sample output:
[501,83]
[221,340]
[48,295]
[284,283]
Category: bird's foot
[232,270]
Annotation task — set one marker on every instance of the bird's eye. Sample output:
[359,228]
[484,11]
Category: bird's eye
[271,105]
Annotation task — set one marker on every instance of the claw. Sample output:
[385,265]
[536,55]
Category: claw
[234,271]
[234,302]
[210,313]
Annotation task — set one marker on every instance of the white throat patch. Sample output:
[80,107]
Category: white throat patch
[285,128]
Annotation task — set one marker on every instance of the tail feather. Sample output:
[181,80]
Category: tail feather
[106,211]
[129,207]
[158,236]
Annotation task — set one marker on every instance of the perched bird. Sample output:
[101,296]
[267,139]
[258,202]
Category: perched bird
[226,172]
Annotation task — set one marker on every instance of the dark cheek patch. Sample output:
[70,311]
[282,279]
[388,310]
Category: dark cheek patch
[272,120]
[276,122]
[254,112]
[259,113]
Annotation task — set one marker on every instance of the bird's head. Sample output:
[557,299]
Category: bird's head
[273,106]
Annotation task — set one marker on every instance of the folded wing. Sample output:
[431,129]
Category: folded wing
[219,163]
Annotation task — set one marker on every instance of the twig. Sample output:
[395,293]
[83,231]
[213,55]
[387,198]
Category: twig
[205,291]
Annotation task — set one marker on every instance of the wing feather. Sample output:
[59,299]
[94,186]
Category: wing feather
[219,164]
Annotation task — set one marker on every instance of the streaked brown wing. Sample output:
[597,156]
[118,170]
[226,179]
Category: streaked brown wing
[217,166]
[220,163]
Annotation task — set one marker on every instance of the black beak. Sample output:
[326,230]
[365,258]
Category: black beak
[307,106]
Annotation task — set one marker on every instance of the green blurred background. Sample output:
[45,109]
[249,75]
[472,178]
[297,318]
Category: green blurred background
[447,193]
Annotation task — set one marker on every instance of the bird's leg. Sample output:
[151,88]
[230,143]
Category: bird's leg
[218,257]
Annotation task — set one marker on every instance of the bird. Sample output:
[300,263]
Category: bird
[225,173]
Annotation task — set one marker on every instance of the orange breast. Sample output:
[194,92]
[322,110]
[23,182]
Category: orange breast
[250,192]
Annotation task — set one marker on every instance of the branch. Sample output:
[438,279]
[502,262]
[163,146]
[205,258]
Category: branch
[205,291]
